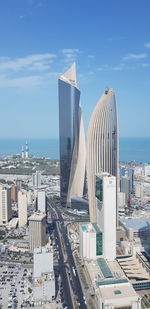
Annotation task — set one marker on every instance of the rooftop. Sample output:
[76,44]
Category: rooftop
[133,268]
[114,292]
[136,223]
[37,216]
[43,250]
[103,272]
[88,228]
[70,76]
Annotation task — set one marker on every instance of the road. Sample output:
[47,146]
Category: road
[71,284]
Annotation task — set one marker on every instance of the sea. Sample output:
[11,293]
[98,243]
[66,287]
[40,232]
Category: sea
[131,149]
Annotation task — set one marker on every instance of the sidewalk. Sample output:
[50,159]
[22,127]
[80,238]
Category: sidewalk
[84,280]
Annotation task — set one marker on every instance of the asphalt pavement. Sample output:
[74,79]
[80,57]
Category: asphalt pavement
[67,265]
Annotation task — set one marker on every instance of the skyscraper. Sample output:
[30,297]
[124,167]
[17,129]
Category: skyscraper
[41,201]
[5,205]
[22,207]
[36,179]
[71,137]
[105,191]
[102,144]
[37,230]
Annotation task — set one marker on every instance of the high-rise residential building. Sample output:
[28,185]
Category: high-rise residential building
[105,191]
[41,201]
[30,195]
[22,207]
[147,170]
[18,183]
[139,190]
[125,187]
[5,205]
[14,194]
[102,145]
[36,179]
[71,137]
[37,230]
[43,275]
[121,202]
[131,178]
[122,171]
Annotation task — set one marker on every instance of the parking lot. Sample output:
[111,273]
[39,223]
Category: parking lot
[14,285]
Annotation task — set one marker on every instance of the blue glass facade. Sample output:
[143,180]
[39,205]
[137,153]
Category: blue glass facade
[69,115]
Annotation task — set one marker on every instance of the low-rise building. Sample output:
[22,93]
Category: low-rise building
[43,275]
[137,227]
[111,288]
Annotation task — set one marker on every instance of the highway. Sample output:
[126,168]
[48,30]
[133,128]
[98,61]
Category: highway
[71,284]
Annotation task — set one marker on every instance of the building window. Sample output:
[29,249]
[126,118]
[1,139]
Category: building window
[99,243]
[99,189]
[127,307]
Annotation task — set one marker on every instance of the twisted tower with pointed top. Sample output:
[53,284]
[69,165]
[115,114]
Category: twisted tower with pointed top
[102,145]
[71,138]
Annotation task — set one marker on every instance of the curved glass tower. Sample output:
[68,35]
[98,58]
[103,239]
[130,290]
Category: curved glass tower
[102,144]
[71,138]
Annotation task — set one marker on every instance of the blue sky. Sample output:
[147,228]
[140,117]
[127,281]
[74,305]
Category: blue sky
[39,39]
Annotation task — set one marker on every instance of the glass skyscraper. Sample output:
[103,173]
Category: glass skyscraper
[71,138]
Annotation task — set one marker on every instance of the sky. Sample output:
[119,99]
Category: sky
[40,39]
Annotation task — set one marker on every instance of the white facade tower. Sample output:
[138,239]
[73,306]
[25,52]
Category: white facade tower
[41,201]
[5,205]
[102,145]
[105,190]
[22,207]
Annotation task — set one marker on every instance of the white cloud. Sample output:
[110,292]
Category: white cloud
[91,56]
[33,62]
[70,54]
[118,68]
[70,50]
[20,81]
[145,65]
[135,56]
[27,81]
[100,69]
[147,45]
[107,67]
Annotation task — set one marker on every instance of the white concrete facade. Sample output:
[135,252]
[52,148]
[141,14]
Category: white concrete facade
[41,201]
[22,207]
[87,241]
[139,190]
[106,213]
[43,275]
[36,179]
[5,205]
[43,261]
[117,296]
[121,200]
